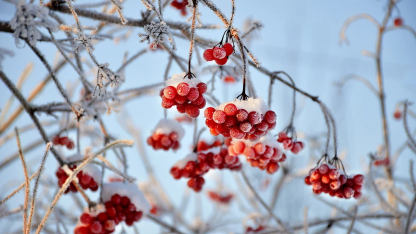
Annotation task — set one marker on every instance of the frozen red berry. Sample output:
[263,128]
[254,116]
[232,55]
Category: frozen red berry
[183,89]
[221,61]
[208,55]
[169,92]
[202,88]
[398,22]
[219,116]
[193,94]
[219,53]
[228,49]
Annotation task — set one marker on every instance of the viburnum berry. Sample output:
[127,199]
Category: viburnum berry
[219,53]
[221,61]
[166,135]
[398,22]
[186,95]
[229,79]
[209,55]
[229,49]
[397,114]
[180,5]
[328,179]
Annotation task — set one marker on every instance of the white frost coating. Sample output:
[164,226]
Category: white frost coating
[129,190]
[266,140]
[178,78]
[89,169]
[182,163]
[251,104]
[166,126]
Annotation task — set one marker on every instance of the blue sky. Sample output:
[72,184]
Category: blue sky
[300,37]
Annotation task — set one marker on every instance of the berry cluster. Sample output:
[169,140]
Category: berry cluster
[218,158]
[328,179]
[180,5]
[191,168]
[264,154]
[220,198]
[241,119]
[194,166]
[289,143]
[219,53]
[86,181]
[166,135]
[204,146]
[65,141]
[162,141]
[185,94]
[90,223]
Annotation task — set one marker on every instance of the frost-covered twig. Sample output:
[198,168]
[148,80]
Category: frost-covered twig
[27,184]
[119,8]
[35,188]
[18,189]
[114,169]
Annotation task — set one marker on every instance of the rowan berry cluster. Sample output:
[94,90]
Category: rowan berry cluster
[382,162]
[166,135]
[185,94]
[240,119]
[220,198]
[328,179]
[219,53]
[86,181]
[194,166]
[264,154]
[180,5]
[64,141]
[289,143]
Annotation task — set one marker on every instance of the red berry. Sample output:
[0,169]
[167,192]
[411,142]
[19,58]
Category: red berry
[70,145]
[357,195]
[398,22]
[167,103]
[325,179]
[272,168]
[262,126]
[208,55]
[81,230]
[180,99]
[111,212]
[241,115]
[282,137]
[125,201]
[270,116]
[181,108]
[169,92]
[342,179]
[236,133]
[110,225]
[192,111]
[202,88]
[193,94]
[86,179]
[228,49]
[102,217]
[287,144]
[308,180]
[358,179]
[63,140]
[96,227]
[397,114]
[221,61]
[183,89]
[333,174]
[335,184]
[219,116]
[219,53]
[323,169]
[115,199]
[254,118]
[230,109]
[229,79]
[348,192]
[297,147]
[56,140]
[85,218]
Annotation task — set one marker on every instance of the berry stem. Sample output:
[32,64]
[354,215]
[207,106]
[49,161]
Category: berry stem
[191,46]
[274,74]
[243,95]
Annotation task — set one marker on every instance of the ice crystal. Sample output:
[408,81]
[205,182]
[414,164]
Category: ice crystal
[27,19]
[158,32]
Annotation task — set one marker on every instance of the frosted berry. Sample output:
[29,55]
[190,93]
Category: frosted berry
[254,117]
[183,89]
[270,116]
[192,111]
[228,49]
[219,53]
[96,227]
[221,61]
[230,109]
[241,115]
[202,88]
[193,94]
[219,116]
[169,92]
[208,55]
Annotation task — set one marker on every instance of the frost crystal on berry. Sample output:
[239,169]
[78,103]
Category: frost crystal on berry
[26,20]
[159,32]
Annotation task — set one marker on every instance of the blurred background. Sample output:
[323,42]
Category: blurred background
[299,37]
